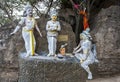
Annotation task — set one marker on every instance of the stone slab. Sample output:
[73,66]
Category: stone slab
[49,69]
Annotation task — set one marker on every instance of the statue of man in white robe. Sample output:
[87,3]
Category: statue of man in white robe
[28,24]
[52,27]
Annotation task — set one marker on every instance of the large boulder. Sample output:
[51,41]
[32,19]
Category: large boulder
[9,48]
[105,32]
[50,69]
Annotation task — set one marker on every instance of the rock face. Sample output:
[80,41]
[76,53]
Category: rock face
[9,47]
[50,69]
[105,31]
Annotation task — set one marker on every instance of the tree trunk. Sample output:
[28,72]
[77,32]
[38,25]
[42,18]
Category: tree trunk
[79,27]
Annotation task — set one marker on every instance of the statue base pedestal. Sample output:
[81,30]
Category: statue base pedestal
[50,69]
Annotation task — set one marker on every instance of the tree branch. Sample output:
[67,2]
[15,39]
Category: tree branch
[50,6]
[92,4]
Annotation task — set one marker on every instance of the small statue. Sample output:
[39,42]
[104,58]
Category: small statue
[52,27]
[28,25]
[86,53]
[62,51]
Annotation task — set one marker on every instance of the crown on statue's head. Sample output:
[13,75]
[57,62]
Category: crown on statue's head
[53,12]
[63,46]
[28,6]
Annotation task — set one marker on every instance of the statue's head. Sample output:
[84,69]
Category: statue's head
[53,14]
[28,10]
[87,29]
[54,17]
[62,49]
[83,36]
[87,33]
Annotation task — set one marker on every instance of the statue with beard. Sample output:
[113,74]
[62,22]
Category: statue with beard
[28,24]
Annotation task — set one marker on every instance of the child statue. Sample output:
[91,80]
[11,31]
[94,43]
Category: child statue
[62,51]
[52,27]
[28,24]
[86,53]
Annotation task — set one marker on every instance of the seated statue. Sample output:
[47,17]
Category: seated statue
[28,25]
[85,52]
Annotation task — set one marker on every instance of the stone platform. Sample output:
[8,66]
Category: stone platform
[50,69]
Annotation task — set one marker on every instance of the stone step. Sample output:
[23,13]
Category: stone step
[50,69]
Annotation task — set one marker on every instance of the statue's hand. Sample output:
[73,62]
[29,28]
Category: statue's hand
[74,52]
[81,61]
[74,49]
[40,34]
[12,33]
[54,29]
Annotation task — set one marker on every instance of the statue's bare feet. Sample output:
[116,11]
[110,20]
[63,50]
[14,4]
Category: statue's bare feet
[96,61]
[35,54]
[49,55]
[27,55]
[90,76]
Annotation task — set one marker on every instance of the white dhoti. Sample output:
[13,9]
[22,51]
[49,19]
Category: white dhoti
[80,56]
[30,42]
[52,41]
[87,59]
[27,34]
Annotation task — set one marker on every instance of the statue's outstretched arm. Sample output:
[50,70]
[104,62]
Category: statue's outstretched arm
[75,49]
[36,26]
[79,50]
[18,27]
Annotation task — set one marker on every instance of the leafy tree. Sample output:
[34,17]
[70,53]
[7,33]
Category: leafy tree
[7,8]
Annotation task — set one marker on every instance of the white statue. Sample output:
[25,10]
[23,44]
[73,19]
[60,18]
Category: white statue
[86,53]
[52,27]
[28,24]
[87,32]
[62,51]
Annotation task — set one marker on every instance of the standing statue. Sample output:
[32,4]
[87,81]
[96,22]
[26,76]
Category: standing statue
[28,24]
[52,27]
[86,53]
